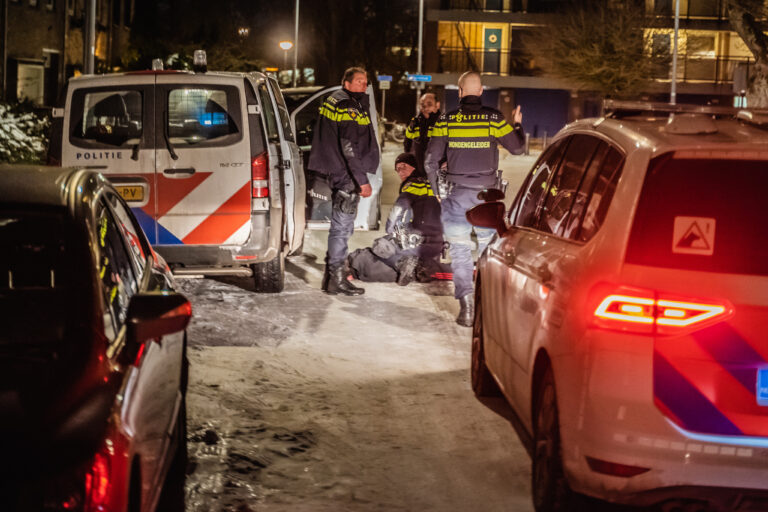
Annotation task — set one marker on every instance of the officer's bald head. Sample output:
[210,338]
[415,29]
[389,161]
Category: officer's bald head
[470,84]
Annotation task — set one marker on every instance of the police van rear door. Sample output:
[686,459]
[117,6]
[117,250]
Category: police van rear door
[108,125]
[203,161]
[293,174]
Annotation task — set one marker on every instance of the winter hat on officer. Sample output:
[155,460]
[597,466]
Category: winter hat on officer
[408,158]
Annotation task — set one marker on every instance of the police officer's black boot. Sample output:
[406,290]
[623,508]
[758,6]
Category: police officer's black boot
[338,283]
[467,313]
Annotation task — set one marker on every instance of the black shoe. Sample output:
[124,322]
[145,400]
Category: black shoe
[338,284]
[406,270]
[467,313]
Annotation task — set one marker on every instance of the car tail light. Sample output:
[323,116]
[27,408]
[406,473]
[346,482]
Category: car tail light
[614,468]
[649,311]
[260,176]
[98,484]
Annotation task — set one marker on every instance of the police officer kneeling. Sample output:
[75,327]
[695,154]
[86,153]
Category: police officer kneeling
[468,137]
[414,241]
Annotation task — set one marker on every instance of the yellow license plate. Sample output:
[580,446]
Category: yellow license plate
[131,193]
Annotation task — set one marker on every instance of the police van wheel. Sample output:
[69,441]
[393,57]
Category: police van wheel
[269,277]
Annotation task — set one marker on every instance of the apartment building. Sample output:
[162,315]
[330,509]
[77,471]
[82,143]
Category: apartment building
[42,44]
[488,36]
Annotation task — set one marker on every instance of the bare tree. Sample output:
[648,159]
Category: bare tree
[600,46]
[748,19]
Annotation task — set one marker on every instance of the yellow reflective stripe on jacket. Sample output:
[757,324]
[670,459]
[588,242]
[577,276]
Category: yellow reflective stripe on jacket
[453,124]
[339,115]
[412,134]
[468,133]
[501,131]
[419,189]
[439,129]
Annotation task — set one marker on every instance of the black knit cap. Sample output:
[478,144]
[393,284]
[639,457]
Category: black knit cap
[408,158]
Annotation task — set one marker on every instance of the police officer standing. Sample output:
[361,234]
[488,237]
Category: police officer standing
[468,136]
[417,131]
[344,148]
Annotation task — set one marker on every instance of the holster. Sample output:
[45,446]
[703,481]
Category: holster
[346,202]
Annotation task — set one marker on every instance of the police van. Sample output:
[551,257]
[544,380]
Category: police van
[207,160]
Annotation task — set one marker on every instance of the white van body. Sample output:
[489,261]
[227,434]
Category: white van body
[207,161]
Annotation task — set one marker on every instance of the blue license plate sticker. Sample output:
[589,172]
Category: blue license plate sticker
[762,386]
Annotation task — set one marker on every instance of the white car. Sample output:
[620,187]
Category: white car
[622,310]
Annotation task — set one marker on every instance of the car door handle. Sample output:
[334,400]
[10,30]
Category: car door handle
[183,170]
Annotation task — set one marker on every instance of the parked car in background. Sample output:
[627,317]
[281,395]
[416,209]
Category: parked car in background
[93,367]
[207,161]
[622,310]
[304,105]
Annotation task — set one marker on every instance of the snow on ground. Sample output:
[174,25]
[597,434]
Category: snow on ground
[303,401]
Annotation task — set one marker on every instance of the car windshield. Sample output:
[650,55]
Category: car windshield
[36,279]
[294,99]
[704,214]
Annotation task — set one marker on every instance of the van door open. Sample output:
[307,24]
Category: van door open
[203,192]
[293,173]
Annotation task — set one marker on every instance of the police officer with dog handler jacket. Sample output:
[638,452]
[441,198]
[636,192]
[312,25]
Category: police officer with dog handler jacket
[469,138]
[344,148]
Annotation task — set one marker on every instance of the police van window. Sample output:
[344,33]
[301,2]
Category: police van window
[536,184]
[109,118]
[118,282]
[565,183]
[306,119]
[595,194]
[285,117]
[203,116]
[269,114]
[132,234]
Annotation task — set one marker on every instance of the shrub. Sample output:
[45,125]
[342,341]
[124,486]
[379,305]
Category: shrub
[23,134]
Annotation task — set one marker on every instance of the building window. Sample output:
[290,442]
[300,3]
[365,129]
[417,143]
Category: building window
[71,6]
[33,3]
[127,18]
[50,4]
[116,12]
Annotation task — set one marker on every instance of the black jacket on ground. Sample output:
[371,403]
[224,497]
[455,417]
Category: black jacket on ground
[469,138]
[417,136]
[344,145]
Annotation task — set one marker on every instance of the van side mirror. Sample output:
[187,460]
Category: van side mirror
[488,215]
[155,314]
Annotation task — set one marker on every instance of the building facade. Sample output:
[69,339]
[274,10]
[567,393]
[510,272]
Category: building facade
[42,44]
[488,36]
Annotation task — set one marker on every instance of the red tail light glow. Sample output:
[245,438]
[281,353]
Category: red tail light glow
[260,176]
[97,483]
[646,311]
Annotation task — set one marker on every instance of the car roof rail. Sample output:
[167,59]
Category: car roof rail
[617,109]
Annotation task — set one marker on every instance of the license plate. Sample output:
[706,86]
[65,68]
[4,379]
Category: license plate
[131,193]
[762,386]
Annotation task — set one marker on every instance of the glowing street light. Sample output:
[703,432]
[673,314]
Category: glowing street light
[286,46]
[243,32]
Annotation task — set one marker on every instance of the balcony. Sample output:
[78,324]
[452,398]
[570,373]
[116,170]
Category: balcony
[516,62]
[690,10]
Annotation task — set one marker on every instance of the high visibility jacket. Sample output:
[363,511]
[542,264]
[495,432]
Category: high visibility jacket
[469,138]
[344,145]
[418,209]
[417,136]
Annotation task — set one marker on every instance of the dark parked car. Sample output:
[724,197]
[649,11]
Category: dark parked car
[93,367]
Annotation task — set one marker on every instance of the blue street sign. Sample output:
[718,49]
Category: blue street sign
[419,78]
[384,78]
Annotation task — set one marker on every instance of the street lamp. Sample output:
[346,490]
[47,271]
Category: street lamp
[286,46]
[243,32]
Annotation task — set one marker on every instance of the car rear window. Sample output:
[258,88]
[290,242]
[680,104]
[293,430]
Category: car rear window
[198,115]
[107,117]
[37,278]
[702,214]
